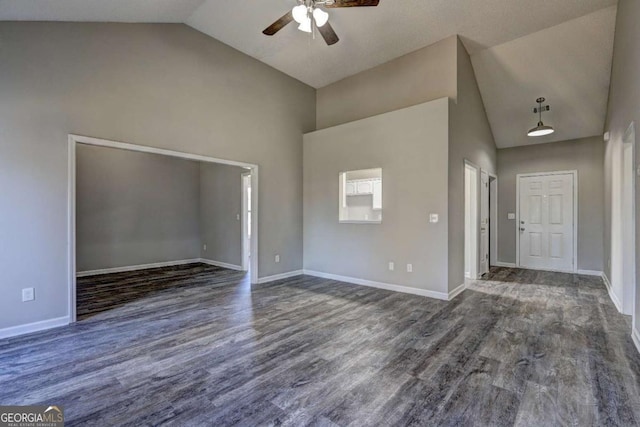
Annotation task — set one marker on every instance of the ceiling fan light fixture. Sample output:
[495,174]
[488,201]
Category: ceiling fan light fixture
[321,17]
[300,13]
[305,25]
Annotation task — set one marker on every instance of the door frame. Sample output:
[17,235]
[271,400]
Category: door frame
[488,225]
[575,216]
[493,219]
[475,219]
[74,140]
[629,236]
[245,257]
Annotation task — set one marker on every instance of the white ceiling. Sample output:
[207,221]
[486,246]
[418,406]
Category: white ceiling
[98,10]
[368,36]
[521,49]
[569,65]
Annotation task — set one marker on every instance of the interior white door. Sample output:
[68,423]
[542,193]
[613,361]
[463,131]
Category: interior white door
[546,222]
[484,223]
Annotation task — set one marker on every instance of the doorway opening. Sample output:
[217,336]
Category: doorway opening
[471,221]
[252,181]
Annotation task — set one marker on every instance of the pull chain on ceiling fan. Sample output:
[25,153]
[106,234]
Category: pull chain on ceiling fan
[308,14]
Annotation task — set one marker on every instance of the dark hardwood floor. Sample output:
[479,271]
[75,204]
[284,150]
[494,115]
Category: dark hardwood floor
[195,345]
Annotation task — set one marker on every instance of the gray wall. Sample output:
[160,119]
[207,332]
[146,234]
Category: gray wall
[163,85]
[134,208]
[420,76]
[220,203]
[624,108]
[410,145]
[470,138]
[584,155]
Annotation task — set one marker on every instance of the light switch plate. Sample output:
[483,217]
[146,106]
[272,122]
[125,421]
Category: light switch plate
[511,215]
[28,294]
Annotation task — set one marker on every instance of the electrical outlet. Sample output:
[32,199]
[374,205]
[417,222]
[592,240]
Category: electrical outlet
[238,217]
[277,258]
[28,294]
[511,215]
[204,247]
[433,218]
[392,266]
[409,268]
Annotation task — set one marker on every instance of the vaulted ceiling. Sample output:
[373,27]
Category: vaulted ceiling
[521,49]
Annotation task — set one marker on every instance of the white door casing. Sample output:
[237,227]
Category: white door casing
[547,221]
[484,223]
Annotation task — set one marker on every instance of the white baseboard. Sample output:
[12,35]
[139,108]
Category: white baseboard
[504,264]
[34,327]
[635,336]
[280,276]
[612,295]
[221,264]
[136,267]
[590,273]
[457,291]
[380,285]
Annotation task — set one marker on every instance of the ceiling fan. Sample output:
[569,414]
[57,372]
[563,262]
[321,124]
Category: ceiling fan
[309,14]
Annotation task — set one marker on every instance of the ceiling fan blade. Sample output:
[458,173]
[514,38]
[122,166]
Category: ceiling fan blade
[328,34]
[354,3]
[279,24]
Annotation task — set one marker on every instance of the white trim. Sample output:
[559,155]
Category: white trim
[220,264]
[136,267]
[457,291]
[505,264]
[244,216]
[635,336]
[575,214]
[612,295]
[280,276]
[493,222]
[71,189]
[590,273]
[381,285]
[475,267]
[34,327]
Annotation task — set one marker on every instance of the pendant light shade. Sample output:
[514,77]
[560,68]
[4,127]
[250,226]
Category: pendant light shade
[300,13]
[541,129]
[321,17]
[305,25]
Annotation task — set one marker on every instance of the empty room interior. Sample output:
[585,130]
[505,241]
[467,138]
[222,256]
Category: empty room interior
[319,212]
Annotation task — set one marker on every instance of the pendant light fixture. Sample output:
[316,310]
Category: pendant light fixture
[541,129]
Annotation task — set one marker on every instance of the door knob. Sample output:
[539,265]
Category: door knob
[521,228]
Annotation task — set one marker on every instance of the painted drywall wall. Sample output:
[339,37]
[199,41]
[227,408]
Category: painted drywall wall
[411,147]
[220,210]
[134,208]
[623,109]
[415,78]
[470,138]
[162,85]
[585,155]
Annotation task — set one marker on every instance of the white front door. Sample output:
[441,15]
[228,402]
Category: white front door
[546,224]
[484,223]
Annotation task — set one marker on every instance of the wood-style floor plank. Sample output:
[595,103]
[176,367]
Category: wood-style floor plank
[197,345]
